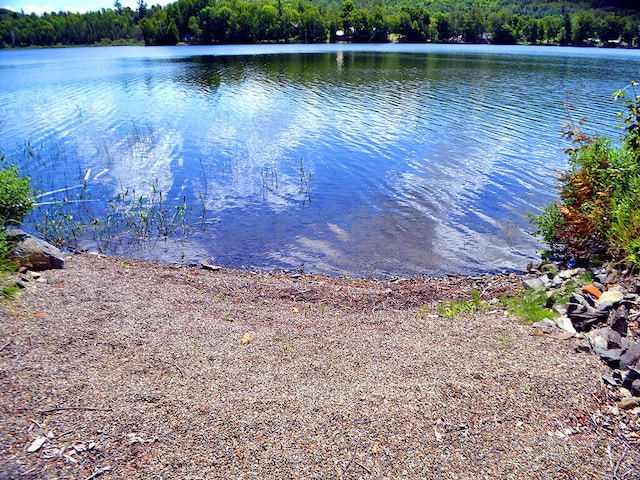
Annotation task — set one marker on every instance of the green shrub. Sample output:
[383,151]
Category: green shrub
[16,200]
[16,197]
[596,216]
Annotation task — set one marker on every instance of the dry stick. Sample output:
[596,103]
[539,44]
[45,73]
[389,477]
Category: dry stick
[179,370]
[6,345]
[60,409]
[174,365]
[615,470]
[363,467]
[350,461]
[97,472]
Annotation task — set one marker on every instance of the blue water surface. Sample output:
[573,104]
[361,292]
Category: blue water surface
[364,160]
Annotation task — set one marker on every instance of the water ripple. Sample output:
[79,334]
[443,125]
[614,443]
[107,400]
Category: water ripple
[354,159]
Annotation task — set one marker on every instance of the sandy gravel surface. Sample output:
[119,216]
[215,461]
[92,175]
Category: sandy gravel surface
[124,369]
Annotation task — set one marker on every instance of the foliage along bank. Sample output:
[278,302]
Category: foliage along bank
[255,21]
[596,217]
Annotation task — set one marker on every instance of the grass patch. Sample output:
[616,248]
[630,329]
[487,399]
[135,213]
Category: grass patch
[10,291]
[462,306]
[504,342]
[530,306]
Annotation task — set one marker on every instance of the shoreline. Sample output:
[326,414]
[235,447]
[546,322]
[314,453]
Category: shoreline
[133,369]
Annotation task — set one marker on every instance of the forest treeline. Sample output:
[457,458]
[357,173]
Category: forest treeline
[255,21]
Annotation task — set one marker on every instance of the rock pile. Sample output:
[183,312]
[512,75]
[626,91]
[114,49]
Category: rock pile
[603,314]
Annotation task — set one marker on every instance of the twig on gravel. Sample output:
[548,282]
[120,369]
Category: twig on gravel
[6,345]
[97,472]
[61,409]
[176,366]
[344,470]
[618,463]
[363,467]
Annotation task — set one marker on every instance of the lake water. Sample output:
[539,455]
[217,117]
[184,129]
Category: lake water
[364,160]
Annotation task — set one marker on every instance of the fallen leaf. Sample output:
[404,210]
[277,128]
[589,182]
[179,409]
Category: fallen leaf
[294,309]
[246,338]
[36,444]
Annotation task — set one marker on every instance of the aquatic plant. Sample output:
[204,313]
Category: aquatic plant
[305,181]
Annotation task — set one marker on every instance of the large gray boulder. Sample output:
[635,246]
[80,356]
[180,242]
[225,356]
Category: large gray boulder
[33,253]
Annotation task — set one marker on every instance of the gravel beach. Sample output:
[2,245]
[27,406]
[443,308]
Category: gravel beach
[118,369]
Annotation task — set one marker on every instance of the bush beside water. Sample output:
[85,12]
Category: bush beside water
[596,218]
[16,201]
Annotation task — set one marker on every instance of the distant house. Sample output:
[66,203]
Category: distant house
[615,44]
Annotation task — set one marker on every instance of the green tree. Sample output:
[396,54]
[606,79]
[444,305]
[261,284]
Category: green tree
[346,11]
[584,28]
[194,28]
[501,29]
[142,9]
[552,25]
[566,31]
[443,27]
[312,26]
[611,27]
[474,24]
[415,23]
[532,30]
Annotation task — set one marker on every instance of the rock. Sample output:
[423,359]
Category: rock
[556,282]
[545,325]
[614,340]
[601,278]
[630,355]
[584,321]
[599,286]
[624,392]
[629,403]
[536,283]
[592,290]
[612,357]
[33,253]
[609,380]
[598,344]
[635,388]
[580,299]
[576,308]
[610,297]
[560,308]
[36,444]
[632,375]
[565,335]
[212,268]
[565,324]
[584,346]
[570,272]
[618,320]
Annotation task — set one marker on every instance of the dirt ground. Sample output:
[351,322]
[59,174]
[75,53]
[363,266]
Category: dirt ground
[117,369]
